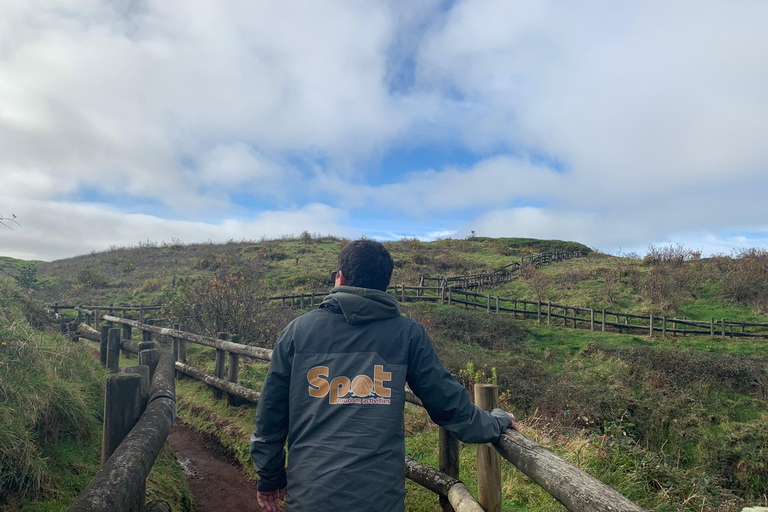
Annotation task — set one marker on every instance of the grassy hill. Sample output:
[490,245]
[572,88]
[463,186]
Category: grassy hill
[675,424]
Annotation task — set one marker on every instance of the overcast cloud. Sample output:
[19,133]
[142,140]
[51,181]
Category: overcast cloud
[614,124]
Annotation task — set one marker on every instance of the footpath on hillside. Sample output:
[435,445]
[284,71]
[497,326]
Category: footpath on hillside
[216,484]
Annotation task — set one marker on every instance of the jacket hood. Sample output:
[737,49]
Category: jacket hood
[363,305]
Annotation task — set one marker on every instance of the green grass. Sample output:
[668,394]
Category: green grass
[51,410]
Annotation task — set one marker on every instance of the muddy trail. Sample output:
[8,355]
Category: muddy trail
[216,483]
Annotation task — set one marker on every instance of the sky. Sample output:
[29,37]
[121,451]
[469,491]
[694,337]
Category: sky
[614,124]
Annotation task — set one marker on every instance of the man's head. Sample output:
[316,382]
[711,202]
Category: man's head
[366,264]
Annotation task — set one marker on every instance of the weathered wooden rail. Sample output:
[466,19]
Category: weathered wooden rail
[576,490]
[137,420]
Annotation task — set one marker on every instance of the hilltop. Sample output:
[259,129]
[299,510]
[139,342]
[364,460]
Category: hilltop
[138,274]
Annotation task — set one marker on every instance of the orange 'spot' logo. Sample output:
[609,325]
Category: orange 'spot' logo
[339,387]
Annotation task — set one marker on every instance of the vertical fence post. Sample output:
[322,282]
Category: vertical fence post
[122,404]
[182,350]
[488,459]
[538,311]
[663,326]
[565,317]
[113,350]
[96,319]
[712,328]
[449,462]
[175,344]
[103,345]
[219,368]
[603,326]
[450,295]
[147,335]
[650,321]
[723,330]
[141,313]
[591,319]
[234,370]
[150,358]
[549,312]
[488,305]
[497,304]
[143,372]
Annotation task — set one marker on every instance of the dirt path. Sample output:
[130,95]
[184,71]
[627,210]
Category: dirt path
[216,484]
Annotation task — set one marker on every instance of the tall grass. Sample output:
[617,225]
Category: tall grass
[50,394]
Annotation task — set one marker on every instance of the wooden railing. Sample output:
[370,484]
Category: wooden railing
[576,490]
[502,275]
[139,409]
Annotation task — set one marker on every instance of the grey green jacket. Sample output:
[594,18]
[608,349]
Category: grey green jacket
[335,390]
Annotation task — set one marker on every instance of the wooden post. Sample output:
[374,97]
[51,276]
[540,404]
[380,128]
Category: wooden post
[712,329]
[488,460]
[141,313]
[234,370]
[150,358]
[497,304]
[449,462]
[147,335]
[127,332]
[538,311]
[293,302]
[674,327]
[175,344]
[565,317]
[113,350]
[650,318]
[182,355]
[723,329]
[685,327]
[603,326]
[450,293]
[104,338]
[143,372]
[122,409]
[514,307]
[96,319]
[663,326]
[591,319]
[549,312]
[301,303]
[219,368]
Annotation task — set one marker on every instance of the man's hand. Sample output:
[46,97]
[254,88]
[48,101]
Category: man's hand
[270,501]
[513,426]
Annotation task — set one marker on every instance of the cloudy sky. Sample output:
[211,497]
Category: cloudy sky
[616,124]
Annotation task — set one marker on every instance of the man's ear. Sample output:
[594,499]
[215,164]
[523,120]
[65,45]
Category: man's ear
[340,280]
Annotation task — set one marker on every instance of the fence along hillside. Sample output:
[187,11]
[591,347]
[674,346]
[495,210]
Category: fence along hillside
[457,291]
[575,489]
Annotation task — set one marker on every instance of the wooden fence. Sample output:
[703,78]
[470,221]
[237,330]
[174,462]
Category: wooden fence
[502,275]
[576,490]
[139,409]
[556,314]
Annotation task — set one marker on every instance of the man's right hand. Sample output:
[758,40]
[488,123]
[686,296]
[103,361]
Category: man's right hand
[270,501]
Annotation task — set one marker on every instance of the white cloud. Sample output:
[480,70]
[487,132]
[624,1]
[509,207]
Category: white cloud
[52,229]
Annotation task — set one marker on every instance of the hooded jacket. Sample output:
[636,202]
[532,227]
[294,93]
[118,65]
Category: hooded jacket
[336,390]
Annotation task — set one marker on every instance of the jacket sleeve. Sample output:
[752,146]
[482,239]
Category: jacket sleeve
[446,401]
[268,439]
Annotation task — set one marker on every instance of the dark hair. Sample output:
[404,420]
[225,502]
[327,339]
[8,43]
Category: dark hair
[366,264]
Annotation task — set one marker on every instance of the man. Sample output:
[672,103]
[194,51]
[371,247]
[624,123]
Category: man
[335,389]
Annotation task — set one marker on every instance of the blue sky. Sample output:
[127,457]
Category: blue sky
[618,125]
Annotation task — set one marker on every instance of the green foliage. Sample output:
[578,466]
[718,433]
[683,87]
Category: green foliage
[91,277]
[50,393]
[27,275]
